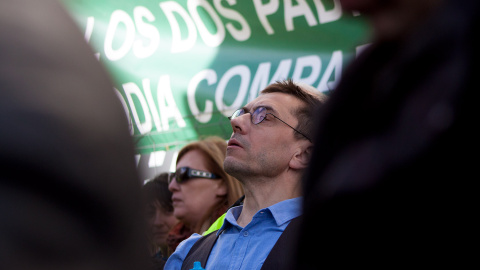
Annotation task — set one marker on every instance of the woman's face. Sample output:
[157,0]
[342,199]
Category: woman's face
[192,199]
[160,221]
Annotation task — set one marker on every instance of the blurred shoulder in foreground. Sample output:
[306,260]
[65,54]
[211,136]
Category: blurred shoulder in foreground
[69,189]
[392,173]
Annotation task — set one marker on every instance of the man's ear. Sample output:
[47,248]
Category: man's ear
[301,157]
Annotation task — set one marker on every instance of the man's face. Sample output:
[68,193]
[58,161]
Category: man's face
[265,149]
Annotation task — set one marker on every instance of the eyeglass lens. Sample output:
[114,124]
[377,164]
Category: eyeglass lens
[237,113]
[257,116]
[181,174]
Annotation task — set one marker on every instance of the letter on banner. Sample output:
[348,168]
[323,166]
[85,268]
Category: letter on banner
[263,10]
[335,64]
[211,77]
[260,81]
[119,16]
[166,103]
[282,70]
[130,90]
[312,61]
[245,32]
[301,9]
[211,40]
[179,45]
[325,16]
[147,30]
[244,73]
[148,95]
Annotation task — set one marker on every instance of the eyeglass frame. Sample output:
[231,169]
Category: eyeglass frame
[257,111]
[190,173]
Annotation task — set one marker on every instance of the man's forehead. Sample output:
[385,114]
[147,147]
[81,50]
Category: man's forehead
[273,102]
[276,98]
[262,101]
[268,98]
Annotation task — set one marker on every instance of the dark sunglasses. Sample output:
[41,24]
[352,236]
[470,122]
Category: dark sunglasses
[259,115]
[185,173]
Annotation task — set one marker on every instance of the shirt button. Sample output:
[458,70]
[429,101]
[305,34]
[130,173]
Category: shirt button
[245,233]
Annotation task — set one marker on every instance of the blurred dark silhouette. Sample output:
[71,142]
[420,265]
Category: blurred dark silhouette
[391,182]
[69,189]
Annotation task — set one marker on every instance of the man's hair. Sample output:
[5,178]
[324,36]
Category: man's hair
[312,100]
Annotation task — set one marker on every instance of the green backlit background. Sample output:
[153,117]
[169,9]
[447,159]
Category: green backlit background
[240,47]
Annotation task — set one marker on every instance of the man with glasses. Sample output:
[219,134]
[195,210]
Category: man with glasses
[268,152]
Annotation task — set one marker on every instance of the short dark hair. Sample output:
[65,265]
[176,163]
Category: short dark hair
[311,97]
[157,190]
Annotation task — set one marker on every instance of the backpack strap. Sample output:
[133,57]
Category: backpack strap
[200,251]
[281,253]
[278,258]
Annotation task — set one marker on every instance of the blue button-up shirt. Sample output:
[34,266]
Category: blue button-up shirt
[240,248]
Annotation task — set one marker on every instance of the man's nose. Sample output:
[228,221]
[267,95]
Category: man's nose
[240,123]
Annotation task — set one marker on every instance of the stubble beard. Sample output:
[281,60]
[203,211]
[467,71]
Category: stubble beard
[233,168]
[246,173]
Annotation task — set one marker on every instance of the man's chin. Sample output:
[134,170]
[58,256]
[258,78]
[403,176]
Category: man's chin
[229,164]
[233,168]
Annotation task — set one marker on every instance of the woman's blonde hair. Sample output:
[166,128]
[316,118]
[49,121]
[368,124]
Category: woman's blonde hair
[214,149]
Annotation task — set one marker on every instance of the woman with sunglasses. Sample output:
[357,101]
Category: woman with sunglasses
[201,190]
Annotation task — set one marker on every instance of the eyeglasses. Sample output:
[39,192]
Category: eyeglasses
[259,115]
[185,173]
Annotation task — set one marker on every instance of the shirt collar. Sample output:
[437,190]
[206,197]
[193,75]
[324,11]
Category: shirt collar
[286,210]
[282,212]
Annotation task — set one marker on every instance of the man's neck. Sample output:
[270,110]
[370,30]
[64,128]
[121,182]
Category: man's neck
[264,194]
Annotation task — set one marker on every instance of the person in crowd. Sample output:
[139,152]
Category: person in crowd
[159,214]
[391,182]
[70,194]
[268,152]
[201,189]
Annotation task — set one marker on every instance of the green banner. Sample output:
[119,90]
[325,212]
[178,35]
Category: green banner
[181,67]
